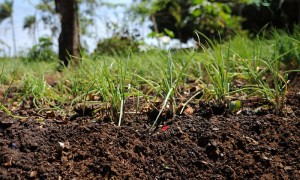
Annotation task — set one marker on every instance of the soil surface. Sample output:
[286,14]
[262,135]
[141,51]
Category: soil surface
[248,144]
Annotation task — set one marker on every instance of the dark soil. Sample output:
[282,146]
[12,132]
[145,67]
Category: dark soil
[243,145]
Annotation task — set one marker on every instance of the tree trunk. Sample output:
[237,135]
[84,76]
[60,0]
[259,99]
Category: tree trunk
[13,32]
[14,36]
[69,41]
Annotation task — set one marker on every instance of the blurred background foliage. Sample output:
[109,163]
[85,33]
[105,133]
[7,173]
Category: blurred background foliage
[117,45]
[183,18]
[42,51]
[122,41]
[177,19]
[215,19]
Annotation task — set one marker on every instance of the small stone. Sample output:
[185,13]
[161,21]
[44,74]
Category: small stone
[64,146]
[61,144]
[288,168]
[12,145]
[251,140]
[15,104]
[189,111]
[33,174]
[50,114]
[180,130]
[213,143]
[265,158]
[8,163]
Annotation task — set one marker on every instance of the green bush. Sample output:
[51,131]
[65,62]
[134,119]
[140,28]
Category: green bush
[183,18]
[42,51]
[117,46]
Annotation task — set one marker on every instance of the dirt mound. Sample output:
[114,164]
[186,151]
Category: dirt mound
[227,146]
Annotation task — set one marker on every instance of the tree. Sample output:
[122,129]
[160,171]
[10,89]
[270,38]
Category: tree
[6,11]
[279,14]
[70,18]
[183,18]
[69,39]
[30,24]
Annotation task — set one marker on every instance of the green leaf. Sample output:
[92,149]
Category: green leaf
[169,33]
[197,1]
[196,12]
[154,34]
[235,105]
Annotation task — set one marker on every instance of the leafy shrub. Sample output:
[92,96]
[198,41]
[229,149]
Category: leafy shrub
[279,14]
[117,45]
[42,51]
[183,18]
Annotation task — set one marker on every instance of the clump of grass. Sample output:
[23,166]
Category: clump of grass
[257,62]
[216,71]
[106,77]
[40,93]
[263,71]
[289,47]
[169,86]
[172,74]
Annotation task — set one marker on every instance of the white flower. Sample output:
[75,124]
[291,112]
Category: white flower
[165,39]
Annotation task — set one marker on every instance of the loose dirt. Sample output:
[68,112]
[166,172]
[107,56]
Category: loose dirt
[243,145]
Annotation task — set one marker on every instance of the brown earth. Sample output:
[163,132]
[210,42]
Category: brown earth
[251,144]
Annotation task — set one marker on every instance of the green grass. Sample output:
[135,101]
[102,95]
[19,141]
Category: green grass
[260,63]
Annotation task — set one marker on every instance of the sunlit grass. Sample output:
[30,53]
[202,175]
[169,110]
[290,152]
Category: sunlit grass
[158,75]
